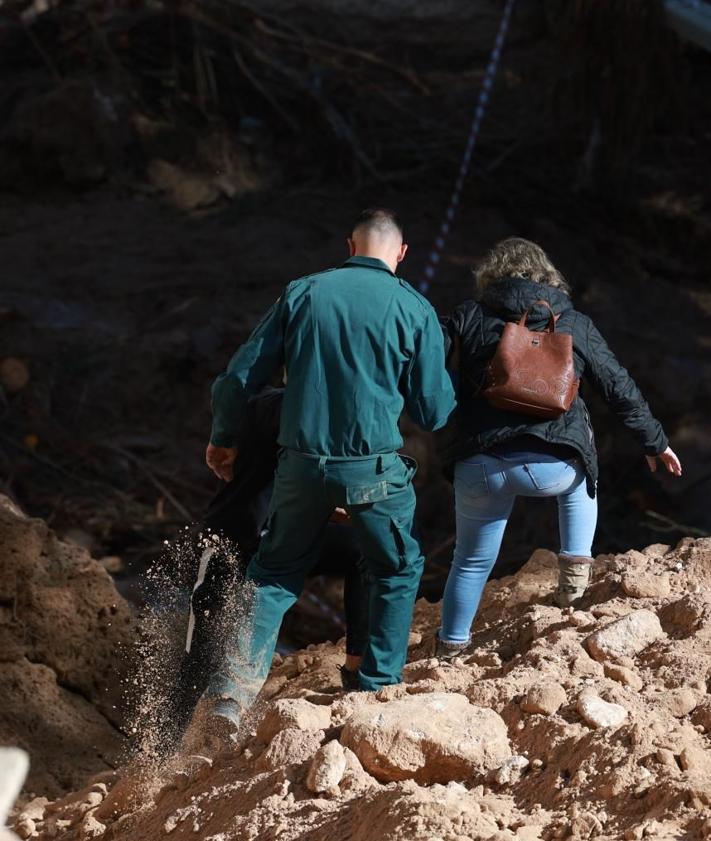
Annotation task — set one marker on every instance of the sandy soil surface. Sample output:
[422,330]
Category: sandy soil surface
[585,723]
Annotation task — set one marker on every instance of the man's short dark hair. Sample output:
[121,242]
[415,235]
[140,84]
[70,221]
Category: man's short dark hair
[380,220]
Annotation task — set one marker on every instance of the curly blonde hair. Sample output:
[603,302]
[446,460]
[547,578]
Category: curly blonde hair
[516,257]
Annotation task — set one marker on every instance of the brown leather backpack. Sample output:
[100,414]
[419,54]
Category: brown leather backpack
[532,372]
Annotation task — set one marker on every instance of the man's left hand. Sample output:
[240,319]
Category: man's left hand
[221,461]
[340,515]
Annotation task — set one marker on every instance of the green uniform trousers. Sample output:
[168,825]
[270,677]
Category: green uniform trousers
[377,492]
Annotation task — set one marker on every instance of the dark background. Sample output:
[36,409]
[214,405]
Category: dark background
[166,168]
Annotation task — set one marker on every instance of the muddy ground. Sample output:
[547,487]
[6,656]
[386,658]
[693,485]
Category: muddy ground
[585,723]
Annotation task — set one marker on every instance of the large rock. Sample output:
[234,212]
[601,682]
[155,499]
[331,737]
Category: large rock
[67,736]
[625,637]
[290,746]
[696,759]
[65,634]
[598,713]
[429,738]
[646,585]
[511,770]
[327,767]
[689,614]
[702,715]
[544,699]
[295,714]
[355,779]
[681,701]
[623,675]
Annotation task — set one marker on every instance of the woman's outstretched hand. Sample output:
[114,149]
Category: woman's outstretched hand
[221,461]
[669,459]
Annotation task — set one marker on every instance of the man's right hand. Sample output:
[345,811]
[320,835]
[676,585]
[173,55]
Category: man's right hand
[221,461]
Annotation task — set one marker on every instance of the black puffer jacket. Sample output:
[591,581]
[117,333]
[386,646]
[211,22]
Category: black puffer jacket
[477,426]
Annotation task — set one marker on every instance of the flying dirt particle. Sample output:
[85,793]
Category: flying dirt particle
[162,643]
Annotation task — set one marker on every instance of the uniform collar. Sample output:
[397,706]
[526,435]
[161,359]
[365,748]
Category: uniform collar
[369,263]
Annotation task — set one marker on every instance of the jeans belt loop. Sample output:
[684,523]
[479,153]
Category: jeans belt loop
[322,465]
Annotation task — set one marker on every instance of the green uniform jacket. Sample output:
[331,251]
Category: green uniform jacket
[359,344]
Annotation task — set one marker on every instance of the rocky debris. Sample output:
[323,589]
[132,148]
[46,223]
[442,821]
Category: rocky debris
[536,579]
[687,615]
[696,759]
[702,715]
[550,743]
[585,824]
[355,779]
[646,585]
[235,172]
[623,675]
[626,637]
[510,771]
[33,811]
[429,738]
[598,713]
[545,699]
[65,639]
[666,757]
[290,746]
[295,713]
[680,702]
[327,768]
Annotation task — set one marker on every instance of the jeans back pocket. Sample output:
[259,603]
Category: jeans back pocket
[470,479]
[546,476]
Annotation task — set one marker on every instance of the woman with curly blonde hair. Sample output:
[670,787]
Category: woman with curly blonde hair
[499,454]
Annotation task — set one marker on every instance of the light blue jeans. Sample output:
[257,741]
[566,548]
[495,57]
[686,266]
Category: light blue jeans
[486,487]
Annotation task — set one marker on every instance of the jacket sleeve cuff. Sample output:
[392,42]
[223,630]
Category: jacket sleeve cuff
[220,436]
[657,447]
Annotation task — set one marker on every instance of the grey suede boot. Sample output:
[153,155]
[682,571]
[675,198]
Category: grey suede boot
[450,650]
[573,579]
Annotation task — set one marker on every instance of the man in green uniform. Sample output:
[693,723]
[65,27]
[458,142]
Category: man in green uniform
[359,345]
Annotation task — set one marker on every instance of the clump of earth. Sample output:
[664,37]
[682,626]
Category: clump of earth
[66,636]
[592,722]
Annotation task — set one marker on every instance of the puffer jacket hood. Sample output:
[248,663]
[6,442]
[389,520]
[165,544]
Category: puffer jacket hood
[510,297]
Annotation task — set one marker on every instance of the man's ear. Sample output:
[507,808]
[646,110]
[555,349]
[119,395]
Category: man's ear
[351,247]
[402,252]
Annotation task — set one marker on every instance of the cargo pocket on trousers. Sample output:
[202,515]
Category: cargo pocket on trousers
[399,531]
[268,525]
[266,534]
[367,494]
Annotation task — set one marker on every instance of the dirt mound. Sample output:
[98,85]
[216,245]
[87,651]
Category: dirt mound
[63,631]
[602,734]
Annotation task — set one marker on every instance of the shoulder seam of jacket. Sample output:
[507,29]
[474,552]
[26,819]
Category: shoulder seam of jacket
[421,300]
